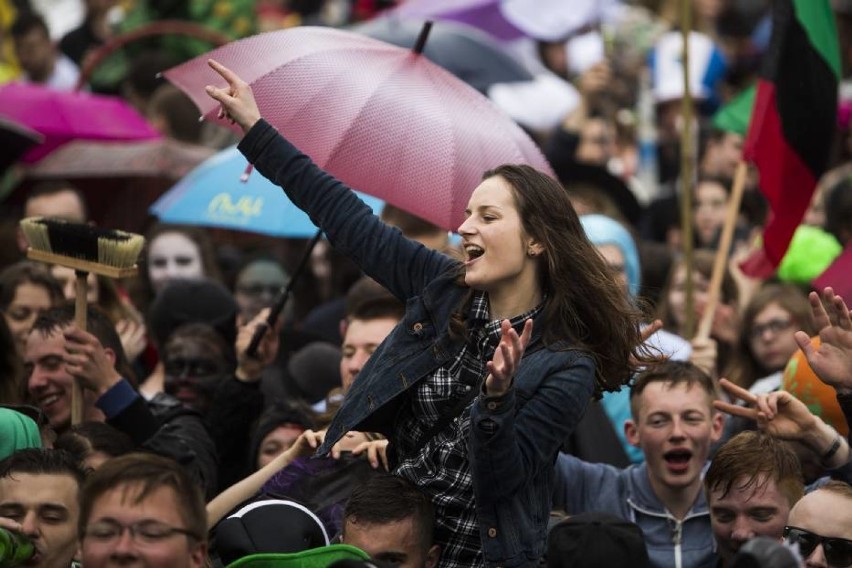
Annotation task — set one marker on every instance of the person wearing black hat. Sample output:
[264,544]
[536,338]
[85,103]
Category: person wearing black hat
[596,539]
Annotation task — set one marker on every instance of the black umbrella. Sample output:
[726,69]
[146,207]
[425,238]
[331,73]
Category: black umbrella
[15,140]
[466,52]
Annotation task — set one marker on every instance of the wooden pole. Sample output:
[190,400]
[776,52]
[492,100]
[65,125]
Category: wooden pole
[721,261]
[686,172]
[81,321]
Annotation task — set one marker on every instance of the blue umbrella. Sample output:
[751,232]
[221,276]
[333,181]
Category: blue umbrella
[212,195]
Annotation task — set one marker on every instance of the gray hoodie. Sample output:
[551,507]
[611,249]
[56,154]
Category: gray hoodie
[582,487]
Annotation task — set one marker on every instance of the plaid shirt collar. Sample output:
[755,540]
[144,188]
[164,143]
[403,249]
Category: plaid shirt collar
[491,328]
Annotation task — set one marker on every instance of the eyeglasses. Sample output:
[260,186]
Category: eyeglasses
[838,551]
[775,326]
[142,532]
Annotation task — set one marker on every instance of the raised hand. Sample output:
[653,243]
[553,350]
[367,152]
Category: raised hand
[133,337]
[832,360]
[778,413]
[377,451]
[236,100]
[501,369]
[89,361]
[249,369]
[705,353]
[306,444]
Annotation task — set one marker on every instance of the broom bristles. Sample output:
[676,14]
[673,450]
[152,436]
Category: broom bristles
[108,247]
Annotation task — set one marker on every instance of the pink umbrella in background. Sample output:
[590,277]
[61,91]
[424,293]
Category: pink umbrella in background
[119,179]
[64,116]
[15,140]
[383,119]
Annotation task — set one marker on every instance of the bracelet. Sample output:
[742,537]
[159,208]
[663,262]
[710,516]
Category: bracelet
[832,450]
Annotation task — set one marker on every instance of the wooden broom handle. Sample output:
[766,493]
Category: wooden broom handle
[722,253]
[80,307]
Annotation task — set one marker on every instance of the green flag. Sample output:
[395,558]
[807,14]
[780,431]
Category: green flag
[735,116]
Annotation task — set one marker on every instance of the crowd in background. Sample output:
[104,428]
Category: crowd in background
[165,371]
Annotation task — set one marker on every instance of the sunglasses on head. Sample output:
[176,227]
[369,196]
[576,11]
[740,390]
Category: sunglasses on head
[838,551]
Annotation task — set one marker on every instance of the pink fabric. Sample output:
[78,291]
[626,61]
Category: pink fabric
[64,116]
[382,119]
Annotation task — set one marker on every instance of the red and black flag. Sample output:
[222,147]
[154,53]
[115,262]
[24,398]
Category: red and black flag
[794,120]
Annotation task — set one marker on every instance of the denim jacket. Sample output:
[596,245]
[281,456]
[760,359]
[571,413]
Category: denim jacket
[627,493]
[514,438]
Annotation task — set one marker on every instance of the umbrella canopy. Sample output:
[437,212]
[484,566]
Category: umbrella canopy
[64,116]
[382,119]
[212,195]
[466,52]
[486,15]
[162,157]
[119,180]
[15,140]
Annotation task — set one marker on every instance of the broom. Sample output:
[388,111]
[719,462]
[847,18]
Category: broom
[85,249]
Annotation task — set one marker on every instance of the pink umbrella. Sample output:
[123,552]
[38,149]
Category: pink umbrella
[383,119]
[64,116]
[119,179]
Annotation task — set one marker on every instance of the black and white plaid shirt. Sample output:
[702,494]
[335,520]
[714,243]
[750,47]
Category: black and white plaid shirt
[441,467]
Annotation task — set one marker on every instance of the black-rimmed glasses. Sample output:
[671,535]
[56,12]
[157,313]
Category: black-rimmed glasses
[838,551]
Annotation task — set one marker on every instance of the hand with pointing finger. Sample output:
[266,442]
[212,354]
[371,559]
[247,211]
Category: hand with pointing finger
[236,100]
[778,413]
[785,417]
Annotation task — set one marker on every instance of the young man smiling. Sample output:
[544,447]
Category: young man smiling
[674,424]
[57,352]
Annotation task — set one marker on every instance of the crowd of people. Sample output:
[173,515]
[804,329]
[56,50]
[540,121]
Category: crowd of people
[528,391]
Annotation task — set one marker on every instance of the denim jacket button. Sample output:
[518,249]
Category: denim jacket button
[492,532]
[492,406]
[417,327]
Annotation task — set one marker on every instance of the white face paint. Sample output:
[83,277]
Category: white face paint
[173,256]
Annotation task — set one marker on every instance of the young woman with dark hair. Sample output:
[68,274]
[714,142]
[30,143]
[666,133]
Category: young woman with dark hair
[496,357]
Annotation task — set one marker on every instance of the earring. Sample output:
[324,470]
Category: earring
[531,253]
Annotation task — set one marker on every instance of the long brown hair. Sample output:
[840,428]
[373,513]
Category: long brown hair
[583,304]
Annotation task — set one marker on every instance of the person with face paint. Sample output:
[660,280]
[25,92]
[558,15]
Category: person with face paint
[497,355]
[259,282]
[207,370]
[195,363]
[175,252]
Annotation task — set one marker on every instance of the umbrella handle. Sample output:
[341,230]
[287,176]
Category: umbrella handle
[158,28]
[278,306]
